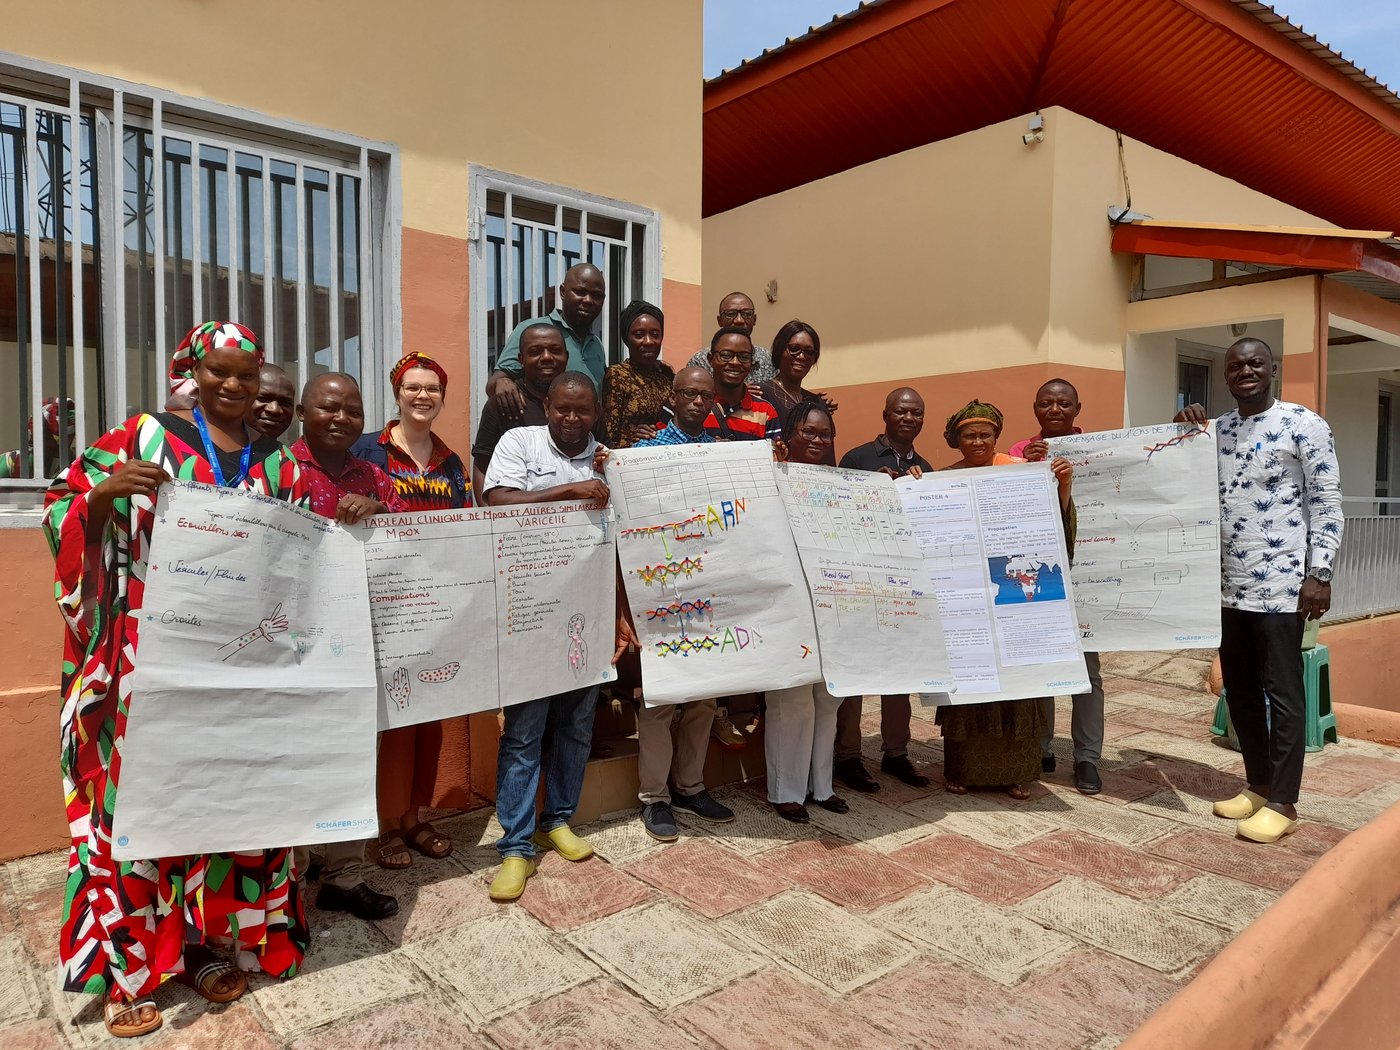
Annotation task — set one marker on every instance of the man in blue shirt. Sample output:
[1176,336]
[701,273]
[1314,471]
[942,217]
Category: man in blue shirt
[581,297]
[659,757]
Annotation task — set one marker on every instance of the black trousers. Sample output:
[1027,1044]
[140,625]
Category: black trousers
[1262,653]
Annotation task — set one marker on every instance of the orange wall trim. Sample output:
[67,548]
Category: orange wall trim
[31,652]
[1363,662]
[1012,390]
[436,292]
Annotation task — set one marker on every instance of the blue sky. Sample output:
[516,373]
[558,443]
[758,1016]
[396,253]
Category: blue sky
[1367,32]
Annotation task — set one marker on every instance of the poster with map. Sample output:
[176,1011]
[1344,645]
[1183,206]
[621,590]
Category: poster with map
[994,545]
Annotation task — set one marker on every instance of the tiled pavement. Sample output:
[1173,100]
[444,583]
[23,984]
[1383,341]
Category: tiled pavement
[921,919]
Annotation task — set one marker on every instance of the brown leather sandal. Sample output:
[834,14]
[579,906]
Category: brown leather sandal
[390,851]
[428,841]
[123,1020]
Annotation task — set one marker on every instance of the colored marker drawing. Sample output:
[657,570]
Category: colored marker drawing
[578,648]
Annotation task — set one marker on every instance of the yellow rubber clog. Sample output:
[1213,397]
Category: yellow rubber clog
[509,882]
[1268,825]
[564,842]
[1245,804]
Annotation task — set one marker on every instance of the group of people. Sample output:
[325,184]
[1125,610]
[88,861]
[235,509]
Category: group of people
[553,414]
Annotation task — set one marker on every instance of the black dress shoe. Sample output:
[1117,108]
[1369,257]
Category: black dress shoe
[899,767]
[1086,778]
[834,804]
[360,901]
[793,811]
[1047,763]
[852,773]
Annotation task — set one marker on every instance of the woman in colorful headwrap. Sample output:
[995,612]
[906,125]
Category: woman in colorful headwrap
[995,744]
[12,463]
[426,764]
[635,391]
[128,926]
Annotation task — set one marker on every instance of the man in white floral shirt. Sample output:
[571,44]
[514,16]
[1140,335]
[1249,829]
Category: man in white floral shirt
[1280,527]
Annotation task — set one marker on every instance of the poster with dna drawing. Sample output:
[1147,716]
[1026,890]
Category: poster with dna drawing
[711,571]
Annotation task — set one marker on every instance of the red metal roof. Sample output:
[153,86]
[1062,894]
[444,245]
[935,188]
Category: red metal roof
[1227,84]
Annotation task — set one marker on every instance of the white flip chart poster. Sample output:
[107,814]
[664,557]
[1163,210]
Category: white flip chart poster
[481,608]
[1147,560]
[994,545]
[711,571]
[252,721]
[877,616]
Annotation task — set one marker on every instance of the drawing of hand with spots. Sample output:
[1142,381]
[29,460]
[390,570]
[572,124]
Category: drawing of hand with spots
[578,648]
[273,624]
[399,687]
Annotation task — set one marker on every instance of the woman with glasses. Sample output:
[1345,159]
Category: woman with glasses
[800,738]
[796,350]
[426,764]
[635,390]
[994,744]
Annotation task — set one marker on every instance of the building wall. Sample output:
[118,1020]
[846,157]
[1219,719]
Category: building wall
[976,266]
[609,104]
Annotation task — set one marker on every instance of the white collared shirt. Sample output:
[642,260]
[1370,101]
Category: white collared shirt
[526,458]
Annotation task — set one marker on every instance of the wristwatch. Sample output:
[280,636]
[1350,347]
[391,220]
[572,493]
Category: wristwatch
[1320,574]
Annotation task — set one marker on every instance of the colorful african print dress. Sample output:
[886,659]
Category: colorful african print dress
[126,923]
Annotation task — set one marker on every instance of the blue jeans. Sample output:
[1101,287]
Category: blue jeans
[569,717]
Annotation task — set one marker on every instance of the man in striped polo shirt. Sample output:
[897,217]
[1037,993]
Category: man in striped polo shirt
[737,415]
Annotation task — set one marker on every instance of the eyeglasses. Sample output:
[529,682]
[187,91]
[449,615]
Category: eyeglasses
[414,389]
[809,435]
[738,315]
[802,351]
[694,395]
[742,356]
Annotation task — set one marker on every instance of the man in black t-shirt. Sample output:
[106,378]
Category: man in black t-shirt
[890,453]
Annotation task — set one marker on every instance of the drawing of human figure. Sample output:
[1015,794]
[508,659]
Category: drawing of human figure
[578,648]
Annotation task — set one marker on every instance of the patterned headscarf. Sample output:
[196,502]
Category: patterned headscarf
[416,360]
[972,412]
[635,309]
[200,340]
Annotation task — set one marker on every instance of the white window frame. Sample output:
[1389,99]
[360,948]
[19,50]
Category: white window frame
[117,104]
[483,180]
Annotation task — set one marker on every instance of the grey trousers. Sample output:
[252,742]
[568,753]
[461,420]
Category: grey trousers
[1086,721]
[679,757]
[894,727]
[344,866]
[799,736]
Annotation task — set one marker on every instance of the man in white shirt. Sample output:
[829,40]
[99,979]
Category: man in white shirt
[555,463]
[1280,527]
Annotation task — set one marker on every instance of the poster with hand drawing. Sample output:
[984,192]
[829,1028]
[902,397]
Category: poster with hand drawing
[254,683]
[1147,560]
[711,571]
[468,606]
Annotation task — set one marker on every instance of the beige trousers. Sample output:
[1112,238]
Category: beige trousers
[894,726]
[672,740]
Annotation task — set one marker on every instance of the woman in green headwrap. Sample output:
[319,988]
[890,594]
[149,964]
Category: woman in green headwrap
[994,744]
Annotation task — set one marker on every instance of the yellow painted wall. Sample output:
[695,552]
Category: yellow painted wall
[603,98]
[966,254]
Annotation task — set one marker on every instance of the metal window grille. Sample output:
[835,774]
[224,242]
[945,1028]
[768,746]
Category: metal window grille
[551,229]
[169,211]
[1366,574]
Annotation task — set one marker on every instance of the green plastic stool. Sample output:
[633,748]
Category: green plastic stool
[1320,727]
